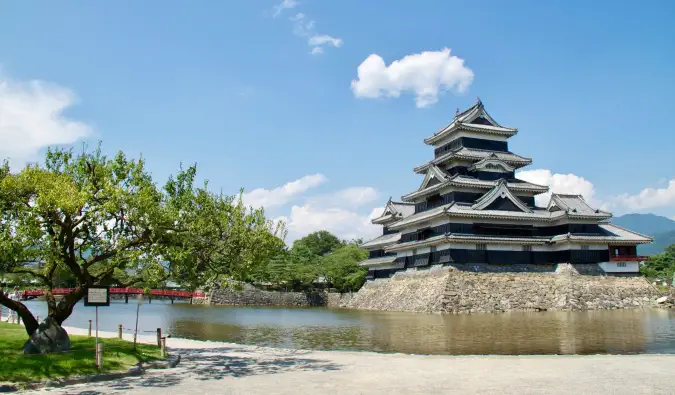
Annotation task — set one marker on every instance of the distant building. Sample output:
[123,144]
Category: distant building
[471,209]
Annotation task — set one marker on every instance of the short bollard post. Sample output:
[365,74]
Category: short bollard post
[163,348]
[99,355]
[159,337]
[18,319]
[119,331]
[89,328]
[38,319]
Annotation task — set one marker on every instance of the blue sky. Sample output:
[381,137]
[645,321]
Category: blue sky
[235,87]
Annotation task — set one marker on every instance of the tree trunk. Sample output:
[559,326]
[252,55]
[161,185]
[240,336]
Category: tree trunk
[65,307]
[29,321]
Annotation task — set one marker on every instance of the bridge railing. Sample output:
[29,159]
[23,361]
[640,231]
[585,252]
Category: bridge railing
[121,291]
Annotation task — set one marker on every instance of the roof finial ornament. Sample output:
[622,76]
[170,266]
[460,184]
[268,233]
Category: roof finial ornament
[478,98]
[457,111]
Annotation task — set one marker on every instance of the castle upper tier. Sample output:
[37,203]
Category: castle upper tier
[471,209]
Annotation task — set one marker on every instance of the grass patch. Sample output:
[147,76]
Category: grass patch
[118,355]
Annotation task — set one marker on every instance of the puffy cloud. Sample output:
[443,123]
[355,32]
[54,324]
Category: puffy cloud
[648,198]
[343,223]
[282,195]
[339,212]
[425,74]
[284,5]
[560,183]
[31,118]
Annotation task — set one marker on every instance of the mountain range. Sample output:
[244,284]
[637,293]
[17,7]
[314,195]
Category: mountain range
[662,229]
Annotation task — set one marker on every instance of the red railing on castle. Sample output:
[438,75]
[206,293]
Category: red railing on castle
[122,291]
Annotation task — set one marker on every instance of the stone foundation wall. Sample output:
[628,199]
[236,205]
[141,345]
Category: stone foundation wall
[492,288]
[255,297]
[416,291]
[336,300]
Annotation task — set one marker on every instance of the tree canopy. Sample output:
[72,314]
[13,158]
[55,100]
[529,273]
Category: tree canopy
[103,220]
[660,265]
[319,258]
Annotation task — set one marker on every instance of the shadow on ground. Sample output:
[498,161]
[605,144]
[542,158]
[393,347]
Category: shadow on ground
[211,364]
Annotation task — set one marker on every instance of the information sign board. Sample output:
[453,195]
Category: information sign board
[97,296]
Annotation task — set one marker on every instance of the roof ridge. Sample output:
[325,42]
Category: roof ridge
[628,230]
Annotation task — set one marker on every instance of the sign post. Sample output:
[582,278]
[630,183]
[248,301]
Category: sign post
[138,309]
[97,296]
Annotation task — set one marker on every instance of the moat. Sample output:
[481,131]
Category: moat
[631,331]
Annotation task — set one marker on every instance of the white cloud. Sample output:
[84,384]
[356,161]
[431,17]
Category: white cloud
[339,212]
[560,183]
[343,223]
[282,195]
[31,118]
[297,17]
[284,5]
[648,198]
[303,26]
[425,74]
[317,42]
[349,198]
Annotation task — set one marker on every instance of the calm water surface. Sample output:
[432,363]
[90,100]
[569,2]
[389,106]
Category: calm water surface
[613,331]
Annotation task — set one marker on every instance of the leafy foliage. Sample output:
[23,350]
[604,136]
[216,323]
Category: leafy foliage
[341,269]
[319,243]
[660,265]
[319,255]
[89,219]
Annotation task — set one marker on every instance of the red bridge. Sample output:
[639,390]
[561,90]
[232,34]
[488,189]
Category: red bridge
[120,291]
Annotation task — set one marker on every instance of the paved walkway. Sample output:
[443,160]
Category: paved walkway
[221,368]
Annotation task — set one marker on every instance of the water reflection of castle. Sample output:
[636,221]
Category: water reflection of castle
[516,333]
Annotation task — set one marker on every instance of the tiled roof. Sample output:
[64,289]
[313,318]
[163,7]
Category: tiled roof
[500,190]
[406,209]
[378,261]
[382,241]
[416,244]
[394,210]
[476,154]
[464,121]
[571,203]
[491,159]
[467,181]
[465,211]
[421,217]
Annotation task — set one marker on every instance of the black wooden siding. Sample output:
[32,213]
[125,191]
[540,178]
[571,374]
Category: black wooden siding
[463,256]
[379,254]
[471,142]
[440,200]
[481,175]
[485,229]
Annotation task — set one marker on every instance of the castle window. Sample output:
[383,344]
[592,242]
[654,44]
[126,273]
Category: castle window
[621,264]
[481,247]
[527,248]
[584,248]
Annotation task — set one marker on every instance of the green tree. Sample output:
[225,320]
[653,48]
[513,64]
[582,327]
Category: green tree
[341,269]
[319,243]
[102,220]
[226,241]
[89,214]
[660,265]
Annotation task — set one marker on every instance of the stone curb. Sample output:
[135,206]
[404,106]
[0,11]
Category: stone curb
[137,370]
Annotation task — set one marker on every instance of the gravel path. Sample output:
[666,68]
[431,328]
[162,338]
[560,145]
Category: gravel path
[224,368]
